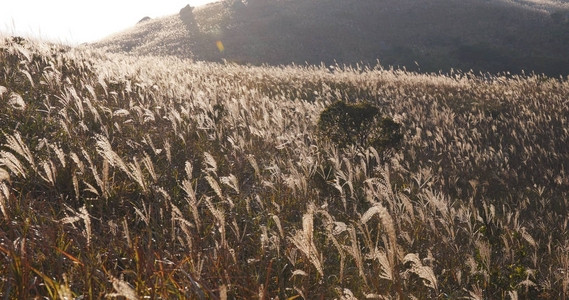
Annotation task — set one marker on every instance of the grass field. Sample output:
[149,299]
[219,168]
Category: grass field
[159,178]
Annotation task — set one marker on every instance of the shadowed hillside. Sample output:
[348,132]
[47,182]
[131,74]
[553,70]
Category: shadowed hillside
[432,35]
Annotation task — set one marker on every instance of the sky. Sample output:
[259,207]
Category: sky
[79,21]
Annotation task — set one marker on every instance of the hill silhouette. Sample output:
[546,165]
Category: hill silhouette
[480,35]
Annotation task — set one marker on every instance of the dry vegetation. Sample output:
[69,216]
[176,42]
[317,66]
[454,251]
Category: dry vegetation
[142,177]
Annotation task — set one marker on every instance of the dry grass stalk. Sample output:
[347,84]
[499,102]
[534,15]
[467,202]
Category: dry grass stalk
[12,163]
[122,289]
[386,269]
[424,272]
[355,251]
[4,196]
[304,241]
[215,186]
[209,163]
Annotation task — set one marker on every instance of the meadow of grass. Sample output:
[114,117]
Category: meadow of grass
[160,178]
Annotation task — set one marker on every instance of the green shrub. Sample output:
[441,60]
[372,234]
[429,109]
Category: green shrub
[359,124]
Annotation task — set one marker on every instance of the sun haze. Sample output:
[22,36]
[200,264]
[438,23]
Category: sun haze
[75,22]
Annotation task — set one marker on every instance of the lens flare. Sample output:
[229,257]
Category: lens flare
[220,46]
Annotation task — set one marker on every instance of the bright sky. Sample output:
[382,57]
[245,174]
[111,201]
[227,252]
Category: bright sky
[79,21]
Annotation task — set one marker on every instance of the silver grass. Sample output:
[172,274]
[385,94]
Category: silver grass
[168,151]
[175,119]
[387,222]
[90,188]
[235,228]
[148,116]
[148,140]
[121,113]
[93,110]
[144,216]
[15,143]
[75,182]
[149,165]
[184,225]
[348,295]
[4,190]
[105,149]
[472,264]
[16,101]
[299,273]
[12,163]
[279,226]
[91,90]
[407,205]
[528,237]
[4,194]
[104,182]
[215,186]
[477,293]
[219,215]
[485,250]
[308,224]
[223,292]
[262,291]
[336,184]
[87,220]
[424,272]
[103,84]
[209,163]
[264,237]
[341,252]
[377,296]
[527,283]
[64,122]
[304,241]
[354,250]
[339,227]
[81,215]
[386,269]
[439,203]
[189,169]
[300,293]
[126,232]
[4,175]
[191,199]
[77,101]
[231,181]
[122,289]
[29,77]
[135,172]
[50,172]
[63,290]
[60,154]
[77,161]
[385,219]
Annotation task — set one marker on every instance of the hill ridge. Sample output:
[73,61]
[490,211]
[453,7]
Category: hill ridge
[486,36]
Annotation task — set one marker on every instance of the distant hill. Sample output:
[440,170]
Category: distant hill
[430,35]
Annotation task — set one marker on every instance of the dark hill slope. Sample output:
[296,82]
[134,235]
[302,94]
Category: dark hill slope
[428,35]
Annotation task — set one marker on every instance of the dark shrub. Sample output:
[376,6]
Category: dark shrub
[358,124]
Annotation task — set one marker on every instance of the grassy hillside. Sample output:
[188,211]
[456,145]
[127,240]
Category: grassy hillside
[488,36]
[145,177]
